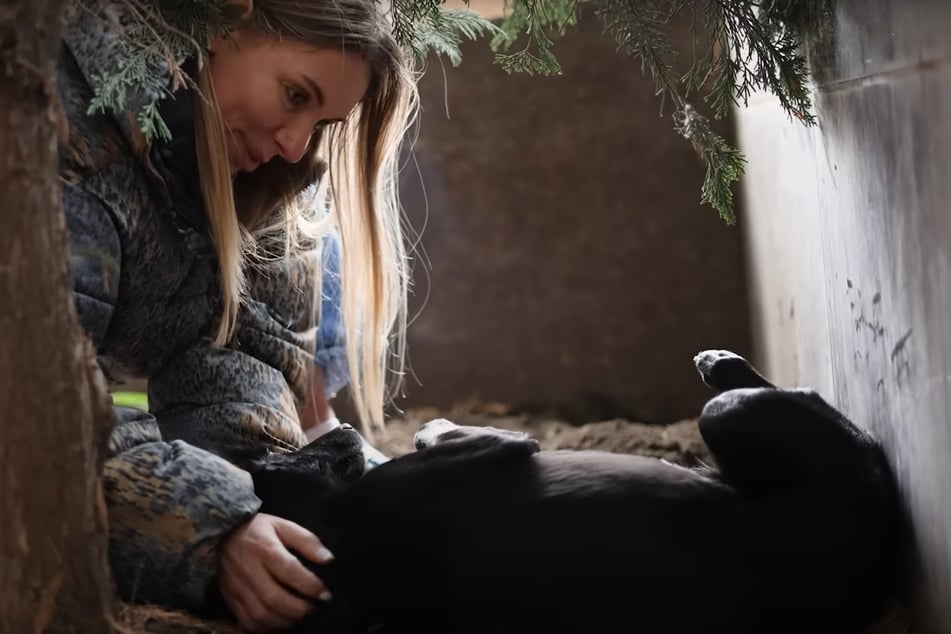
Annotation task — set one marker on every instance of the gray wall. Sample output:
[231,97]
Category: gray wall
[572,265]
[850,236]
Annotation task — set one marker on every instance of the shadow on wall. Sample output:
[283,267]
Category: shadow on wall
[567,264]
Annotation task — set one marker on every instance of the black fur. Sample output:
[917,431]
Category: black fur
[795,530]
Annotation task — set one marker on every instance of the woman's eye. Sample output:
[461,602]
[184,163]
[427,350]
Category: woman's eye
[296,98]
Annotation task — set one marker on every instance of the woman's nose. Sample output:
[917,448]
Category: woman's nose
[292,141]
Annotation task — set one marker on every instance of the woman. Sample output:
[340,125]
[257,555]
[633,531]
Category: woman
[194,265]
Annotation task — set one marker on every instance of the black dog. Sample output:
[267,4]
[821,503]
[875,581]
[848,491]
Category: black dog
[796,530]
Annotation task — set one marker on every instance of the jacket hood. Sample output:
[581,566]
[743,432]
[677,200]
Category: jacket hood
[93,36]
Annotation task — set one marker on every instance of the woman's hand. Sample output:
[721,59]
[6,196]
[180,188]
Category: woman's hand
[257,567]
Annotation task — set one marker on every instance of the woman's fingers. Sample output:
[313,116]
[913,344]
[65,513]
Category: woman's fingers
[252,613]
[258,571]
[298,538]
[289,570]
[273,592]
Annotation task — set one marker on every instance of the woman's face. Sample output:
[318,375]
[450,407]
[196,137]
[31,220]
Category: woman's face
[273,94]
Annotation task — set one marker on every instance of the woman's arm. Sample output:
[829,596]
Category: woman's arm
[247,395]
[229,400]
[169,504]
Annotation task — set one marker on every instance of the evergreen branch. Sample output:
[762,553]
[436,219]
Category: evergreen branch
[542,61]
[152,124]
[802,17]
[149,51]
[638,27]
[535,19]
[442,33]
[757,50]
[747,45]
[725,164]
[407,14]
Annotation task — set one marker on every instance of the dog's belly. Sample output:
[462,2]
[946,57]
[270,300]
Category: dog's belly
[631,538]
[630,535]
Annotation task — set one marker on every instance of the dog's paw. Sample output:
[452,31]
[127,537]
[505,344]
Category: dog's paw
[428,433]
[440,431]
[724,370]
[707,361]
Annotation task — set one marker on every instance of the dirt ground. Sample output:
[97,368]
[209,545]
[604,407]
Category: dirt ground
[677,442]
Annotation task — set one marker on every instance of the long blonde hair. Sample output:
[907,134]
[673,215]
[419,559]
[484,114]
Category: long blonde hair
[360,158]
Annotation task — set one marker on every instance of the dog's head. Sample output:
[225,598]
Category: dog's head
[327,463]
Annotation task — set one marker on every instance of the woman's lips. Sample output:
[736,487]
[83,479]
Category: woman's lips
[254,156]
[251,159]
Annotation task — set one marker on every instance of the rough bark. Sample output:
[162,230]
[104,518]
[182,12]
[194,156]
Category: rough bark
[53,407]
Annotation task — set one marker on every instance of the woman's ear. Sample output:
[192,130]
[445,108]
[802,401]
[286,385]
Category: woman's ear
[239,10]
[235,12]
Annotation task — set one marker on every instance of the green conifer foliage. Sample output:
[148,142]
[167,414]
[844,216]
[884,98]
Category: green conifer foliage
[740,46]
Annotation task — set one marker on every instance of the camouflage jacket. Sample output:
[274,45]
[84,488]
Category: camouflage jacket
[146,289]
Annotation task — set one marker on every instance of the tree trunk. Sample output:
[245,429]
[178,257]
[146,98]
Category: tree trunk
[54,415]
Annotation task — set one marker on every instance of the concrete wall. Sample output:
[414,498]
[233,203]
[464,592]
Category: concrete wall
[849,227]
[571,264]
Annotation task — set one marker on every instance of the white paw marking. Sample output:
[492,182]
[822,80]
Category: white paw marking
[428,433]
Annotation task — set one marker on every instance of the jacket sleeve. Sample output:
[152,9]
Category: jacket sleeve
[169,504]
[248,395]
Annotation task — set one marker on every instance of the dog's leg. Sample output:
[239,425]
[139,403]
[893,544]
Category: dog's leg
[724,370]
[764,439]
[748,440]
[441,439]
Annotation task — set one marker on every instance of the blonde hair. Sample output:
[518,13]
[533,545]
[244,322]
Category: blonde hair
[359,157]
